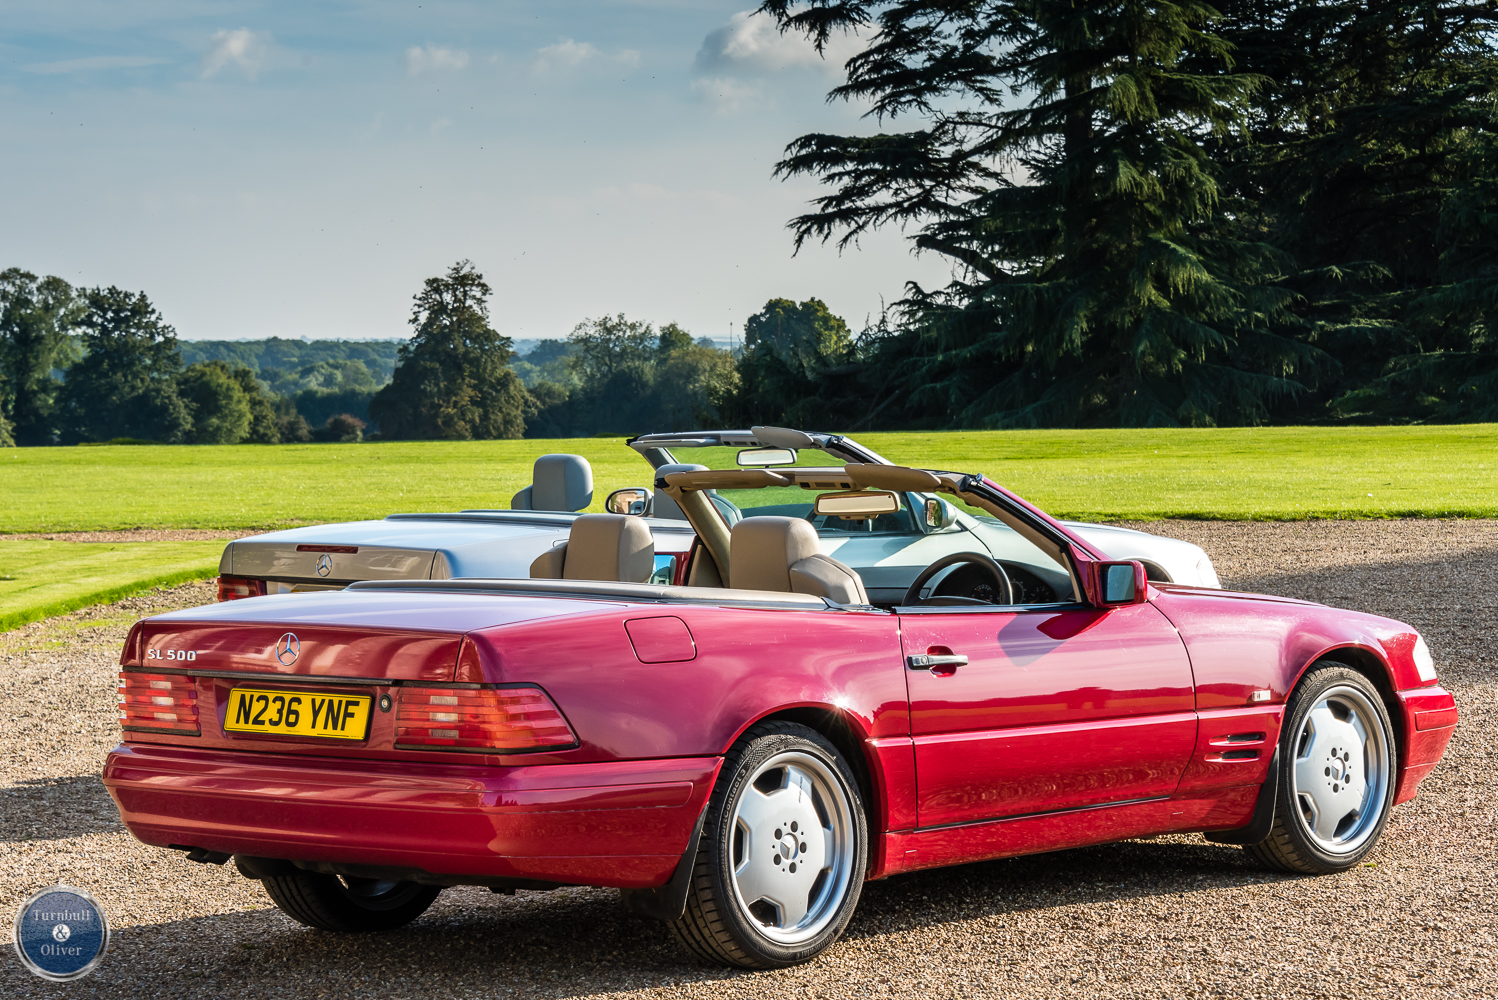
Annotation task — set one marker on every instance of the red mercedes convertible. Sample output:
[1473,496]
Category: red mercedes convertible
[740,753]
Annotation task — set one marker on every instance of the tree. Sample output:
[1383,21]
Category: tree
[452,380]
[265,426]
[1372,165]
[1063,170]
[341,428]
[695,383]
[36,326]
[788,350]
[221,411]
[126,383]
[630,378]
[613,359]
[291,426]
[808,335]
[547,362]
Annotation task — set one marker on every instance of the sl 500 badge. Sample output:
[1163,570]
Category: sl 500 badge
[61,933]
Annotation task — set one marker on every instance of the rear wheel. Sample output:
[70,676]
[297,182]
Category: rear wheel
[1337,767]
[783,853]
[346,903]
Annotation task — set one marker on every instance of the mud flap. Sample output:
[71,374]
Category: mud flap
[668,902]
[1263,819]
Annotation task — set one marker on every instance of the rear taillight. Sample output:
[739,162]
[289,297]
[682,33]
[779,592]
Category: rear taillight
[233,588]
[161,703]
[507,719]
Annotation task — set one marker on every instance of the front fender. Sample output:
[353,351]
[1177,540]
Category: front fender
[1243,644]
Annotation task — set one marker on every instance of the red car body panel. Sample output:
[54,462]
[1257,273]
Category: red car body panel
[1243,642]
[602,824]
[1067,726]
[1054,710]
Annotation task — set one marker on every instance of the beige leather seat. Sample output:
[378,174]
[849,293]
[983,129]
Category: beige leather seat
[613,547]
[558,482]
[783,554]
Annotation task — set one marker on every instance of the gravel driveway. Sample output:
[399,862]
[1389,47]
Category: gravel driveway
[1170,917]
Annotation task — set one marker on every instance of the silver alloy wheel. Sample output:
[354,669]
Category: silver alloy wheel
[1340,774]
[792,845]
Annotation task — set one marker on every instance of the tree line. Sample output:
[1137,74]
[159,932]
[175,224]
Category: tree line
[103,365]
[459,378]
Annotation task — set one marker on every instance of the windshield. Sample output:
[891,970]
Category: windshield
[756,503]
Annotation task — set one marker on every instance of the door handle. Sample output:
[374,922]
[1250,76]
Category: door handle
[926,661]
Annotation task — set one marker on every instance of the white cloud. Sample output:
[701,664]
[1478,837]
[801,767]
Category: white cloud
[751,44]
[241,48]
[433,58]
[726,94]
[93,63]
[569,54]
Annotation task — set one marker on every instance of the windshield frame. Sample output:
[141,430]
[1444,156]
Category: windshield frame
[656,448]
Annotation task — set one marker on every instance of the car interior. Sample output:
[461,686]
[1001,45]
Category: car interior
[776,547]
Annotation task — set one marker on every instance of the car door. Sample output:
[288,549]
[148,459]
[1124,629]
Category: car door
[1055,708]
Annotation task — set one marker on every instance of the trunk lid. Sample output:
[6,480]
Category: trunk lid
[389,636]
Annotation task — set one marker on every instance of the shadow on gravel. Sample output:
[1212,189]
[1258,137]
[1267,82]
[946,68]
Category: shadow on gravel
[56,808]
[577,942]
[1119,871]
[1397,589]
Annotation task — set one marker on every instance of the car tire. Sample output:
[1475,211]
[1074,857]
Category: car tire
[778,782]
[1338,763]
[346,904]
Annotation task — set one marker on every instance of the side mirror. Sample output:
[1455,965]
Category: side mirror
[758,458]
[1121,583]
[939,514]
[635,500]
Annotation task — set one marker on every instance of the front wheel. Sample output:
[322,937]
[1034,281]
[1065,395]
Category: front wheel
[1336,784]
[346,903]
[783,853]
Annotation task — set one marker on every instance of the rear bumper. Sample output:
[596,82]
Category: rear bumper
[623,824]
[1430,718]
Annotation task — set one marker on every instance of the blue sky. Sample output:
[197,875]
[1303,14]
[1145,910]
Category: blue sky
[296,169]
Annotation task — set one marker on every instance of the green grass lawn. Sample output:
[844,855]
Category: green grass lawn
[41,578]
[1235,474]
[1249,473]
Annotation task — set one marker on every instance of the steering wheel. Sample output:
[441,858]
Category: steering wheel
[986,582]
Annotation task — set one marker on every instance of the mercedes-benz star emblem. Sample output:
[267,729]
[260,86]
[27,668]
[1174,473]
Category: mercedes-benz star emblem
[288,648]
[324,564]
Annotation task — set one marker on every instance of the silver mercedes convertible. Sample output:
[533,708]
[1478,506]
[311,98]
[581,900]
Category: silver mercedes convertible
[889,551]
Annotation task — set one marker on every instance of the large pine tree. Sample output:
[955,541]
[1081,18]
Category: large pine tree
[1063,168]
[1374,165]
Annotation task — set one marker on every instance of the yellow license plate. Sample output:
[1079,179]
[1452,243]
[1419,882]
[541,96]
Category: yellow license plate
[298,713]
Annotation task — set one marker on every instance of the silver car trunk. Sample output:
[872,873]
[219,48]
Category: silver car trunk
[412,547]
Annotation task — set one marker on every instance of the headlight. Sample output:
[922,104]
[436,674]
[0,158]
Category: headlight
[1425,664]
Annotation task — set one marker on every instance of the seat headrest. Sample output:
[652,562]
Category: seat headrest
[664,506]
[558,482]
[609,547]
[762,550]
